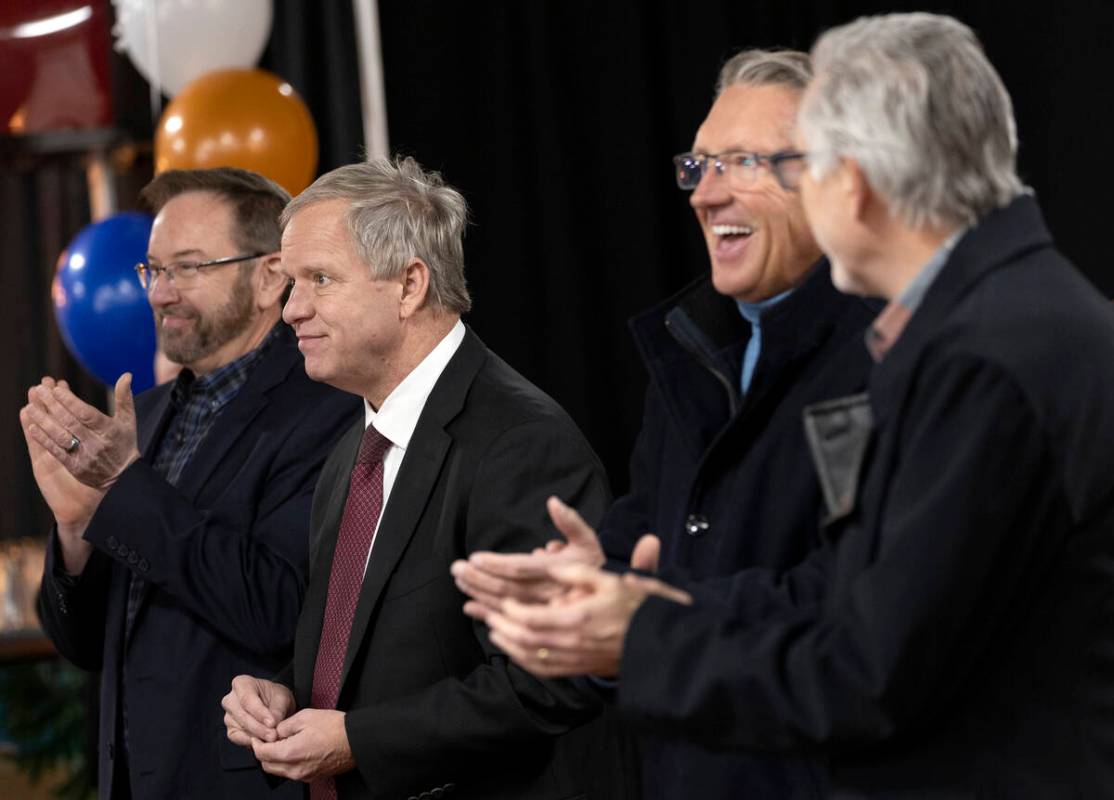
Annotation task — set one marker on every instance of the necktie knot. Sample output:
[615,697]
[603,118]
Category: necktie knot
[372,446]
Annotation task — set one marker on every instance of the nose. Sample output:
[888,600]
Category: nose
[711,191]
[162,293]
[297,308]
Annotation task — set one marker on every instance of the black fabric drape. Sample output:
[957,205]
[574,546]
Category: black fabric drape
[43,205]
[558,120]
[313,46]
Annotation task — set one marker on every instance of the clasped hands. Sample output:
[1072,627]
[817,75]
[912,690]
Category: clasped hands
[302,746]
[554,611]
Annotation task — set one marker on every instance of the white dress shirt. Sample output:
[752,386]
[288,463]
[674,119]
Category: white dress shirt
[398,416]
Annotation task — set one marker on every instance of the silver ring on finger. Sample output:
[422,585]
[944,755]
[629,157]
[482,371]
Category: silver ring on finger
[74,442]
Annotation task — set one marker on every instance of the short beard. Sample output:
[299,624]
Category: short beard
[215,330]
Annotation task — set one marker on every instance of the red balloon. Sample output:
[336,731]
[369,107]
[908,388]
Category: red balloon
[245,118]
[53,66]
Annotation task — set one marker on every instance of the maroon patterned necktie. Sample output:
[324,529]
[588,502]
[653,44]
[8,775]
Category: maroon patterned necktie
[357,527]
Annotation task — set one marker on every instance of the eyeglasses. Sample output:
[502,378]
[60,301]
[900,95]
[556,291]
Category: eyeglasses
[183,274]
[741,168]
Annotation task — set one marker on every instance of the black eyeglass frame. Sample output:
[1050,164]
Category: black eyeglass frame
[142,269]
[685,162]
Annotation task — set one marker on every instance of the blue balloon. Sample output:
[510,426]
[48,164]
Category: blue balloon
[100,306]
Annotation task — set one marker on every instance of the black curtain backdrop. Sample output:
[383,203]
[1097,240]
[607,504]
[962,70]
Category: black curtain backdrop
[557,121]
[43,200]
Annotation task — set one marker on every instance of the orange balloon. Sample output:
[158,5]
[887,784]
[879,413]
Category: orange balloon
[245,118]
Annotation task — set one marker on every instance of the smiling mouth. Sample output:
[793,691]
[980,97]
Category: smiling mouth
[174,321]
[731,241]
[732,231]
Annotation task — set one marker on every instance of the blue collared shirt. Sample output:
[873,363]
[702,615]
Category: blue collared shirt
[752,313]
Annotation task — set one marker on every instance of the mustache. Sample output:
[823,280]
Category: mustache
[177,311]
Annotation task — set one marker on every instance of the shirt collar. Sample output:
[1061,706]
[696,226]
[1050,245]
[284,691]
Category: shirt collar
[223,383]
[752,312]
[398,416]
[889,325]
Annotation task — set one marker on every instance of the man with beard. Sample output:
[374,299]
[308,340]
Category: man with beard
[179,554]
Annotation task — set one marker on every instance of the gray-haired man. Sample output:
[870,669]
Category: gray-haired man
[953,638]
[392,691]
[721,471]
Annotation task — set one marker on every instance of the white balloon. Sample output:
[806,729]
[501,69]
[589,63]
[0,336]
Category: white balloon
[171,42]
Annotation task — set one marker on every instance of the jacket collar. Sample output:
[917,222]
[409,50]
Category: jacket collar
[998,239]
[692,345]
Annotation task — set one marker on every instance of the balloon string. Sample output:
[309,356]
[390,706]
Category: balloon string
[151,20]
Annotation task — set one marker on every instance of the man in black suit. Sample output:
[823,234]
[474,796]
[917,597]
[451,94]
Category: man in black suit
[953,637]
[392,692]
[180,552]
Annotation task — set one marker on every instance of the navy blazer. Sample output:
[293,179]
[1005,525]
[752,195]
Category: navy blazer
[223,556]
[433,708]
[953,638]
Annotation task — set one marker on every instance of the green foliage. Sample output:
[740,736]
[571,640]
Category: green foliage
[43,724]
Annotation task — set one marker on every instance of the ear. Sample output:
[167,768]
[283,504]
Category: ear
[866,205]
[857,193]
[415,288]
[269,281]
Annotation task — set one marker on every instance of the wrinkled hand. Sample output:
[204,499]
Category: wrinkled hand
[312,744]
[489,578]
[72,502]
[254,708]
[581,631]
[107,444]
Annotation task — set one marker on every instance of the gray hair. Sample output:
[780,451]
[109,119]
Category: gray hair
[913,99]
[789,68]
[398,212]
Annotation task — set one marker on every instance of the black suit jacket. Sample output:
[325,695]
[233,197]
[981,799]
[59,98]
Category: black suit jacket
[224,557]
[953,639]
[431,705]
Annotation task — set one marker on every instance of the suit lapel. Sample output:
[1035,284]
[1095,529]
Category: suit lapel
[151,425]
[415,483]
[999,239]
[236,418]
[150,428]
[232,422]
[413,486]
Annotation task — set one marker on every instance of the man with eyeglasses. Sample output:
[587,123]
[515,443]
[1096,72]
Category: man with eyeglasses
[179,555]
[952,637]
[721,471]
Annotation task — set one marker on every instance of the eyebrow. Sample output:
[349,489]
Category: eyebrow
[179,254]
[707,151]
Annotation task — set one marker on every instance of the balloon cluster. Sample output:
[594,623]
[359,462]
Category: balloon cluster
[223,112]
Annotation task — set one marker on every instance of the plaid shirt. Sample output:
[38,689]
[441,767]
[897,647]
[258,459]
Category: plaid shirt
[197,402]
